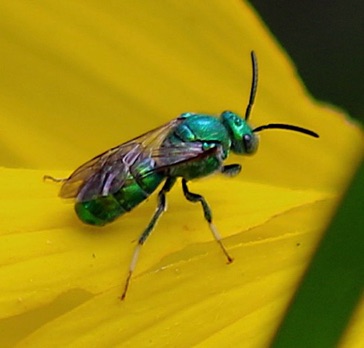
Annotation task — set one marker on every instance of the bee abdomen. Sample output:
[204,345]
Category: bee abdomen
[137,187]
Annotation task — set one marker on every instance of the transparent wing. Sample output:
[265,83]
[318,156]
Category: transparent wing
[107,172]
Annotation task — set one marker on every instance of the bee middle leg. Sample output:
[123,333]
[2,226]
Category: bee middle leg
[161,207]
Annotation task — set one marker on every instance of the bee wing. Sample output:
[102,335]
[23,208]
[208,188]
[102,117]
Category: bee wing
[174,154]
[106,173]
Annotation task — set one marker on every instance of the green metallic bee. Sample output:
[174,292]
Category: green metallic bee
[188,147]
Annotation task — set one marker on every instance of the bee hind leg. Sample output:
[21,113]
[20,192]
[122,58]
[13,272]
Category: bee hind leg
[51,178]
[161,207]
[195,198]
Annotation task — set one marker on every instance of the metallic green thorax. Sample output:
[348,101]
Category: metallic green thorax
[205,142]
[210,135]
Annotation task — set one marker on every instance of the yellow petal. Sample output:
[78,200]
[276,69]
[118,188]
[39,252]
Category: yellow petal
[55,259]
[103,73]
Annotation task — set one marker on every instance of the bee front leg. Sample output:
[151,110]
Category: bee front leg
[231,169]
[161,208]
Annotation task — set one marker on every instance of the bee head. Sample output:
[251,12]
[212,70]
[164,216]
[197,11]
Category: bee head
[243,139]
[242,136]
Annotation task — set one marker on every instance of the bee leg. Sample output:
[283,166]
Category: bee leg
[51,178]
[194,197]
[231,169]
[161,208]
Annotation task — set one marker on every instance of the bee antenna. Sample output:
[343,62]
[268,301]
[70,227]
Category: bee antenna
[253,92]
[254,85]
[287,127]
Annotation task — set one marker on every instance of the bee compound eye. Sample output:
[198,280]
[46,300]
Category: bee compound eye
[250,143]
[247,139]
